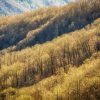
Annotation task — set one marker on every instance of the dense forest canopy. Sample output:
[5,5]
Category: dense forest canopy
[51,53]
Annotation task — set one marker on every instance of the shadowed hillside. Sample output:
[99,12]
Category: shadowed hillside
[45,24]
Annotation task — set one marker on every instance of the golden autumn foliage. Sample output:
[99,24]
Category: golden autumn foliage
[51,53]
[29,66]
[81,83]
[28,29]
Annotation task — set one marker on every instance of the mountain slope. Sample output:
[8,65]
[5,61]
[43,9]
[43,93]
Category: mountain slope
[44,25]
[9,7]
[61,60]
[82,83]
[43,60]
[51,53]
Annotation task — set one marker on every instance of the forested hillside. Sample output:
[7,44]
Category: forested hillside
[51,53]
[45,24]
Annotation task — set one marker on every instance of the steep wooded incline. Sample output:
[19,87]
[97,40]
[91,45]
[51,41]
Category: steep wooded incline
[46,24]
[51,54]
